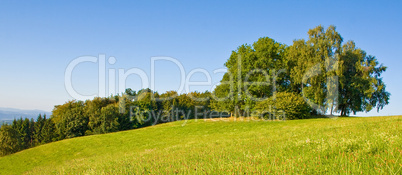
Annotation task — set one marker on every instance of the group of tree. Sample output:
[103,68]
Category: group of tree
[127,111]
[322,74]
[307,78]
[102,115]
[25,133]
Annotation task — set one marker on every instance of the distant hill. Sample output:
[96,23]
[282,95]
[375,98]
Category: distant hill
[11,113]
[2,122]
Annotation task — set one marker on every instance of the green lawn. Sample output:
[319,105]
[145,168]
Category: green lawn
[312,146]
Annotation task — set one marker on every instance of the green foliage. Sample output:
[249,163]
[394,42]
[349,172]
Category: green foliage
[330,75]
[48,131]
[108,119]
[285,104]
[38,130]
[251,69]
[10,141]
[222,94]
[25,133]
[361,85]
[24,130]
[94,109]
[71,119]
[312,62]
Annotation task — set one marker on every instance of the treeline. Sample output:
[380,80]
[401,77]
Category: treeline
[103,115]
[128,111]
[25,133]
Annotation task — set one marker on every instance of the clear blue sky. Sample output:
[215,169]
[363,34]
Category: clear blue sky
[39,39]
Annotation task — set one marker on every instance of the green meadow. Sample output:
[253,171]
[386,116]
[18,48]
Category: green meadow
[340,145]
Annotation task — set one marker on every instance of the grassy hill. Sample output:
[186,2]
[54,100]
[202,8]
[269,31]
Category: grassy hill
[313,146]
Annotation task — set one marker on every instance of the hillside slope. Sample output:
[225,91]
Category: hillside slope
[314,146]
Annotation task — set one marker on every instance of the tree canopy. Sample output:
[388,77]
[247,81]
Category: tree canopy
[329,75]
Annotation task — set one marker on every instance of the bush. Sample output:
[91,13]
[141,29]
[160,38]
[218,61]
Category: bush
[290,105]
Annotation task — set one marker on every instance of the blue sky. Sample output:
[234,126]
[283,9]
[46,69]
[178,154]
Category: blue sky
[39,39]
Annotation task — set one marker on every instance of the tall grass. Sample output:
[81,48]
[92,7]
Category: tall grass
[314,146]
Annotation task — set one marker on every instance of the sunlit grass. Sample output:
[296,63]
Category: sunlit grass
[314,146]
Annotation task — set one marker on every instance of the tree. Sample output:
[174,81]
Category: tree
[31,133]
[222,98]
[93,111]
[130,92]
[361,86]
[254,74]
[48,131]
[169,104]
[186,107]
[107,121]
[25,133]
[312,63]
[70,119]
[10,141]
[38,129]
[126,105]
[201,101]
[145,107]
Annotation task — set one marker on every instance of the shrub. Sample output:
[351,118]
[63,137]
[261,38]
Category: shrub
[290,105]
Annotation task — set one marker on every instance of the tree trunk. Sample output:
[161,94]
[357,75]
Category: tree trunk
[342,111]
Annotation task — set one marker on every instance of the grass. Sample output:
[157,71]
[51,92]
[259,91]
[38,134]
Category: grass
[313,146]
